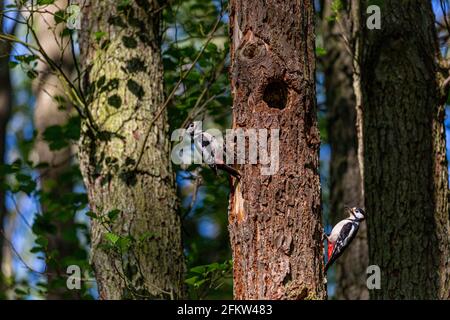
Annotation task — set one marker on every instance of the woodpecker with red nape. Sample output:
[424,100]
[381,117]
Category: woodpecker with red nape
[342,234]
[211,149]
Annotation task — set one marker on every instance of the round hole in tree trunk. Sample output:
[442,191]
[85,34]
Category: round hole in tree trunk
[275,95]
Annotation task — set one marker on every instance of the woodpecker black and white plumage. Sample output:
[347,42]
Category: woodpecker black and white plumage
[211,150]
[342,234]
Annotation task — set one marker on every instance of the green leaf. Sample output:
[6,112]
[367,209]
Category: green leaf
[199,283]
[20,292]
[191,281]
[320,52]
[36,249]
[124,243]
[99,35]
[91,215]
[59,16]
[146,236]
[113,238]
[336,6]
[43,242]
[199,269]
[213,266]
[27,58]
[45,2]
[26,183]
[59,137]
[32,74]
[112,215]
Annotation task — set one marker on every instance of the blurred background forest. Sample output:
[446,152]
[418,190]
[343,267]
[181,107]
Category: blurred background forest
[36,196]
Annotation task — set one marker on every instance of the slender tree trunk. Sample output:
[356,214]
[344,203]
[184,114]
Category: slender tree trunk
[48,113]
[406,184]
[275,220]
[5,112]
[345,179]
[124,85]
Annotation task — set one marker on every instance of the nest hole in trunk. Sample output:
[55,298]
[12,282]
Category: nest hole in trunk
[276,95]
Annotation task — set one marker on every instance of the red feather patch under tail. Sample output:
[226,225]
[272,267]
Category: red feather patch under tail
[330,250]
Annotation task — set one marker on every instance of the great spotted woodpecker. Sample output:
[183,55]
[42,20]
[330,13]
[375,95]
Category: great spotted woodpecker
[211,149]
[342,234]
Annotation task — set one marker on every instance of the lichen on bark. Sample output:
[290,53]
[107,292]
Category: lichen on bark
[124,88]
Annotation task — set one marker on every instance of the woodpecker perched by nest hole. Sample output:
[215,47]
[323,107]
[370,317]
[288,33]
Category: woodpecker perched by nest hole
[342,234]
[208,146]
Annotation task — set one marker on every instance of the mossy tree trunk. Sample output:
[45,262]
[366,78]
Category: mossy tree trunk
[136,234]
[345,178]
[275,220]
[406,184]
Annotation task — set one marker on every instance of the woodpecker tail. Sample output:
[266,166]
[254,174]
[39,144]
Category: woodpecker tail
[327,265]
[229,169]
[330,262]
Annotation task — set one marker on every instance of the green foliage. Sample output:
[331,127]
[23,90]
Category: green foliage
[204,93]
[60,16]
[99,35]
[320,52]
[59,137]
[45,2]
[55,214]
[202,279]
[336,7]
[28,62]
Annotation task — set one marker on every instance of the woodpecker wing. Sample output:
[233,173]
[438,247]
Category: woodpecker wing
[346,235]
[209,147]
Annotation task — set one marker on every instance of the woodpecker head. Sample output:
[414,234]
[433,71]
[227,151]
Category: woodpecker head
[191,129]
[357,213]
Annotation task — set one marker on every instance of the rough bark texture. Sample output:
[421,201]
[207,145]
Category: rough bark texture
[275,221]
[124,83]
[345,179]
[5,112]
[405,163]
[47,113]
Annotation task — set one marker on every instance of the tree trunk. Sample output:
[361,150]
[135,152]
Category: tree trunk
[345,178]
[124,86]
[5,112]
[406,184]
[47,113]
[275,220]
